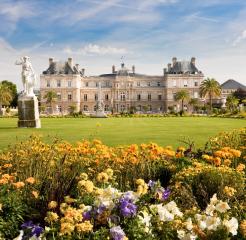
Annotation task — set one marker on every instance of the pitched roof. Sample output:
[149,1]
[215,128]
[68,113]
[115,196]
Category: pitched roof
[183,67]
[61,68]
[232,84]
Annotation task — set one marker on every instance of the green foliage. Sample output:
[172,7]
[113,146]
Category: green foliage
[13,89]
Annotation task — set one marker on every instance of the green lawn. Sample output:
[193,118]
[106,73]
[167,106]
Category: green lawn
[121,131]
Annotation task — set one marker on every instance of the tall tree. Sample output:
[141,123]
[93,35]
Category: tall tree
[211,88]
[13,89]
[50,97]
[240,94]
[5,96]
[232,102]
[182,95]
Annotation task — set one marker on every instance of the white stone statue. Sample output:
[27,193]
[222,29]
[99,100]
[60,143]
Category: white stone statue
[28,76]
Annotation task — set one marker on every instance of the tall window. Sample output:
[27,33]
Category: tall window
[85,108]
[122,96]
[158,84]
[196,83]
[148,84]
[174,96]
[138,84]
[96,96]
[96,84]
[48,83]
[106,108]
[150,108]
[106,97]
[122,108]
[174,83]
[139,97]
[107,84]
[59,108]
[58,83]
[69,97]
[185,83]
[159,97]
[85,97]
[58,96]
[86,84]
[95,107]
[69,83]
[149,96]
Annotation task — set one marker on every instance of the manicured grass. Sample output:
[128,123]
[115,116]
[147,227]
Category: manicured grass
[121,131]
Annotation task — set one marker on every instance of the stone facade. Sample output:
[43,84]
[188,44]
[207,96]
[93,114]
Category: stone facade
[122,90]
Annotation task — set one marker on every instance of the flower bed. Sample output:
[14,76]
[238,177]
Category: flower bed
[92,191]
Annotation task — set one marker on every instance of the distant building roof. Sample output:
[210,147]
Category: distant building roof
[181,67]
[232,84]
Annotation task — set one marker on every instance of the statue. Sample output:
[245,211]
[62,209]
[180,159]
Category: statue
[100,105]
[27,102]
[28,76]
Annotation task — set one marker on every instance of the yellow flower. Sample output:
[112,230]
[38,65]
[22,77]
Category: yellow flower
[243,228]
[51,217]
[1,206]
[69,200]
[206,157]
[110,172]
[181,149]
[35,194]
[227,162]
[240,167]
[86,226]
[142,189]
[235,153]
[83,176]
[102,177]
[66,228]
[217,161]
[140,181]
[52,205]
[30,180]
[19,184]
[229,191]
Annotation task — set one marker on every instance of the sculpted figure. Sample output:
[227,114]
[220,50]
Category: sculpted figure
[28,76]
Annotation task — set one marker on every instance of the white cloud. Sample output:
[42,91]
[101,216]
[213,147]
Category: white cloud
[94,49]
[197,16]
[240,38]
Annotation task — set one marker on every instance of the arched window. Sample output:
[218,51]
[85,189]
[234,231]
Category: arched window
[122,108]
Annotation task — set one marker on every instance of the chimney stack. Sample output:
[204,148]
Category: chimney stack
[70,62]
[133,69]
[169,65]
[113,69]
[77,66]
[193,61]
[174,60]
[83,72]
[164,71]
[51,60]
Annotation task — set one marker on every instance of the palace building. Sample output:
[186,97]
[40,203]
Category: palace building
[122,90]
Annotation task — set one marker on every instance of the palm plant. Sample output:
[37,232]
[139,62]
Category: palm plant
[211,88]
[50,97]
[182,95]
[5,96]
[193,102]
[232,102]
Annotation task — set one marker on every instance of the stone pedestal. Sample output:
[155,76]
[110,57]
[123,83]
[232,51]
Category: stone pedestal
[28,112]
[100,114]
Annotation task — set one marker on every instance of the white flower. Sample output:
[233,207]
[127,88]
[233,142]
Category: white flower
[145,218]
[222,207]
[181,234]
[231,225]
[20,236]
[172,207]
[201,219]
[214,199]
[212,222]
[186,236]
[210,210]
[189,224]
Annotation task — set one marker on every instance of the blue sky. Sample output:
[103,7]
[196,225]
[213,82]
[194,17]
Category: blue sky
[148,33]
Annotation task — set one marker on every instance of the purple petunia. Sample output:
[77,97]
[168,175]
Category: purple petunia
[166,194]
[34,230]
[127,208]
[151,184]
[117,233]
[87,215]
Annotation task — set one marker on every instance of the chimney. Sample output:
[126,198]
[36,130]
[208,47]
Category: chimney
[113,69]
[51,60]
[193,61]
[77,66]
[174,60]
[83,72]
[169,65]
[70,62]
[164,71]
[133,69]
